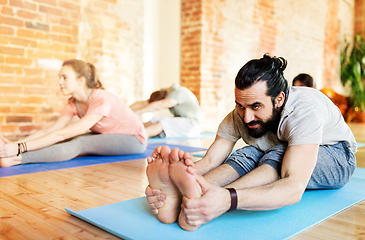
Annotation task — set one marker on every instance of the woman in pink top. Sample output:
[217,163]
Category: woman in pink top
[106,125]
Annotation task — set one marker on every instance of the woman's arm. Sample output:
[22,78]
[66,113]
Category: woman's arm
[157,105]
[138,105]
[61,122]
[69,131]
[72,130]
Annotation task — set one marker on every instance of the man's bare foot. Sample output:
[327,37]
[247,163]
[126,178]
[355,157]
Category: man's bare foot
[184,181]
[159,178]
[10,161]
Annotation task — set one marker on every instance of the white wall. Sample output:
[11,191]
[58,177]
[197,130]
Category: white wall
[161,48]
[162,44]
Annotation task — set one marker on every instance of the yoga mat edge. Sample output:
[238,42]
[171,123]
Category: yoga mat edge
[288,221]
[80,216]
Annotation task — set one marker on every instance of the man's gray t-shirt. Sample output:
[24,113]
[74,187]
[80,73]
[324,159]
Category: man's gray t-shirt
[308,117]
[187,104]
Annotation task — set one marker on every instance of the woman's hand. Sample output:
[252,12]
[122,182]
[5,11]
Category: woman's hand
[3,140]
[8,149]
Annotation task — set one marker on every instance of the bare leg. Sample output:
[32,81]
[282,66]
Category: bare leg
[184,181]
[153,129]
[147,124]
[159,178]
[10,161]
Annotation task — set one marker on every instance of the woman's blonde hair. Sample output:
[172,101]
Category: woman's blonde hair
[87,70]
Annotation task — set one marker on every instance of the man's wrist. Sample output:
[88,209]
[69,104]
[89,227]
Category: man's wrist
[234,199]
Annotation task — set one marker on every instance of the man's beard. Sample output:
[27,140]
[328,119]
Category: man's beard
[270,125]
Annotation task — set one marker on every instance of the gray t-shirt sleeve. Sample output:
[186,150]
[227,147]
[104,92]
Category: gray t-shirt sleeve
[310,117]
[228,129]
[302,126]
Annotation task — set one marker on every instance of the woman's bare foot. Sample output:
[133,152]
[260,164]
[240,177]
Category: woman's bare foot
[184,181]
[159,178]
[10,161]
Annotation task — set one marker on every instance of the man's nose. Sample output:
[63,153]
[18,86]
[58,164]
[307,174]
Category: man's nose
[248,116]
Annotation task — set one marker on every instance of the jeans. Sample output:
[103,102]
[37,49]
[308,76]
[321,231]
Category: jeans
[334,168]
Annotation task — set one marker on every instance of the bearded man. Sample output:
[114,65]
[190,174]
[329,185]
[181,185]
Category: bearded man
[297,139]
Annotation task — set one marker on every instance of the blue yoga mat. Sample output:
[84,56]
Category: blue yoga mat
[132,219]
[163,140]
[84,161]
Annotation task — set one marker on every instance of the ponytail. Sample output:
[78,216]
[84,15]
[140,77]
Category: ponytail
[94,81]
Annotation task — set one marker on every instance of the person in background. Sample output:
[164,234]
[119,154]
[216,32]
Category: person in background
[304,80]
[106,125]
[184,106]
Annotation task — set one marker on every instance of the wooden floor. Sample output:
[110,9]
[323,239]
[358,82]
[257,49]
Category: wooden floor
[32,205]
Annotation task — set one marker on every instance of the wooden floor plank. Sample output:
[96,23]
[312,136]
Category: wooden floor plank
[32,205]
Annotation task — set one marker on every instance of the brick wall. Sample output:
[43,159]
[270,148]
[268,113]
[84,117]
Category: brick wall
[265,21]
[213,65]
[309,34]
[331,43]
[191,26]
[36,36]
[217,38]
[359,17]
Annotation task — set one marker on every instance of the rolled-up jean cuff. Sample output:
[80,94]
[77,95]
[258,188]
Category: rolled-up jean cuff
[275,164]
[236,167]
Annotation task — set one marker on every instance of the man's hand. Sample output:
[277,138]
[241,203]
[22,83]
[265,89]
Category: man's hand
[155,199]
[214,202]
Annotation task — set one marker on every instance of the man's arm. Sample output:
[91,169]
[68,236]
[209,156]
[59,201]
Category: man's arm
[154,106]
[215,156]
[297,169]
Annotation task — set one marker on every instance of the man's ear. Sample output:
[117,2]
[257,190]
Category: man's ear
[280,99]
